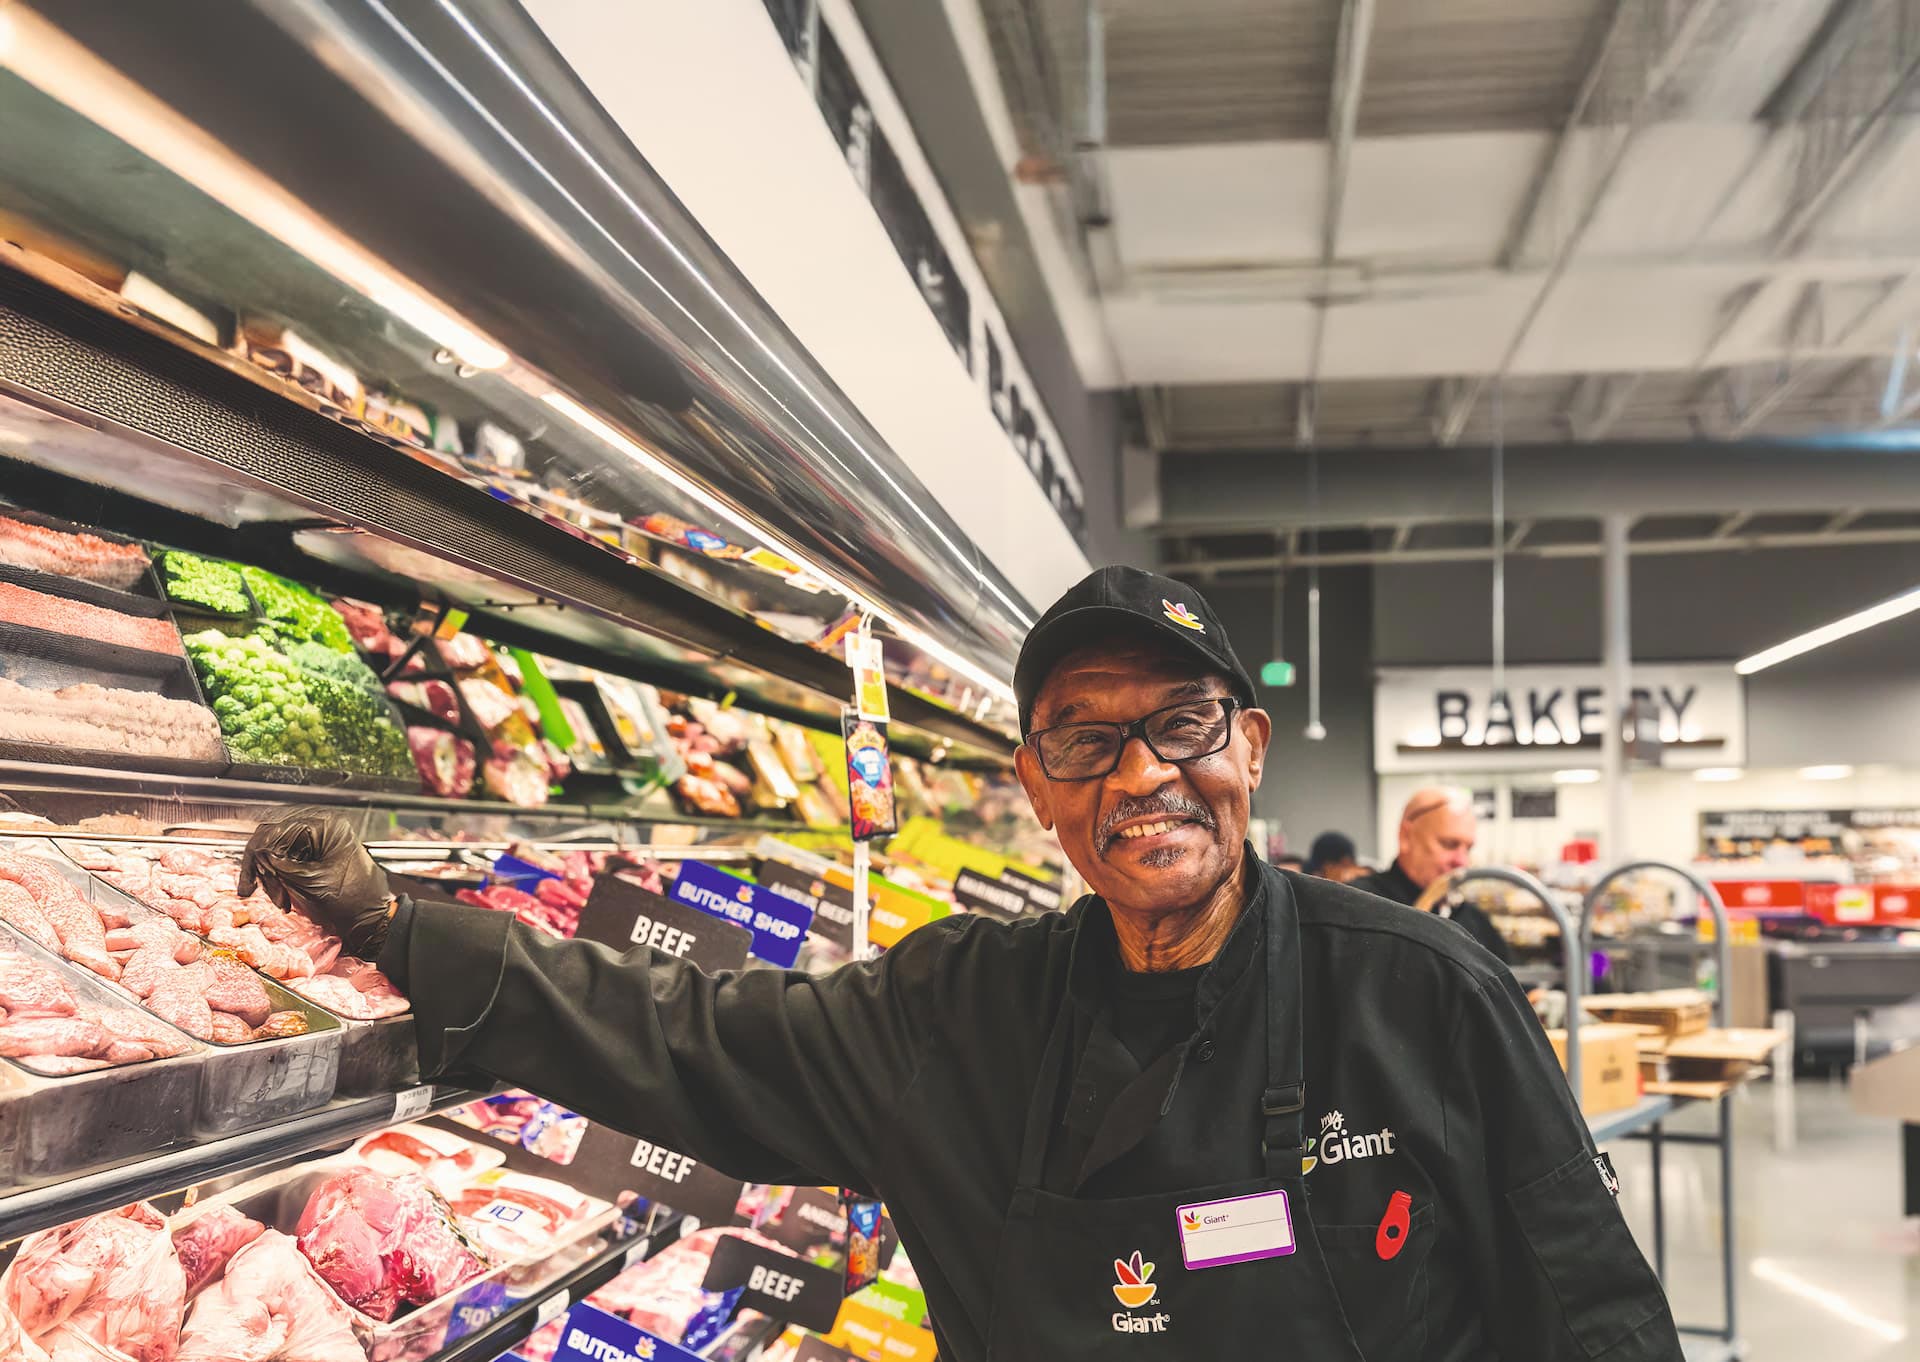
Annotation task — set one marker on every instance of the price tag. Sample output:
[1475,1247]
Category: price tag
[638,1253]
[865,656]
[413,1103]
[974,890]
[551,1308]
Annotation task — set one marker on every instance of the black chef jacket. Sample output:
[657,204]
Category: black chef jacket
[1393,883]
[910,1076]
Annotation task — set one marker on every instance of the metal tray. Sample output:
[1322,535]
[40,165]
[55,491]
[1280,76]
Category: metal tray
[54,1126]
[48,661]
[374,1056]
[244,1083]
[277,1201]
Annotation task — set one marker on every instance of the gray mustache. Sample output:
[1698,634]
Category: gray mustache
[1169,804]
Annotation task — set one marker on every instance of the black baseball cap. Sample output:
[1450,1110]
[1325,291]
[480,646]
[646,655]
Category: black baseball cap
[1113,598]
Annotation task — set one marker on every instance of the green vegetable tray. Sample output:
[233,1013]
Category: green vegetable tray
[197,610]
[248,766]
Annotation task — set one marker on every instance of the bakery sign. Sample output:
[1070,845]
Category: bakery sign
[1442,719]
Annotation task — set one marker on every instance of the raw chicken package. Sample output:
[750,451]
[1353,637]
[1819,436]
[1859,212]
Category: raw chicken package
[273,1054]
[107,1287]
[270,1306]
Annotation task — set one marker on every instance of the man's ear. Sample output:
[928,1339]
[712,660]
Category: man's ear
[1257,726]
[1034,781]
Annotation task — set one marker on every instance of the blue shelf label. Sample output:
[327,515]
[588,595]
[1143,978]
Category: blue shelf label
[590,1335]
[779,925]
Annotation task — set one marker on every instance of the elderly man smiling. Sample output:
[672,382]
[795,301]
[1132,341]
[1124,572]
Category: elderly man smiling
[1097,1130]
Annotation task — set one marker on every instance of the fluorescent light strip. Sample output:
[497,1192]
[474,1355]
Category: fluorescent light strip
[1904,604]
[1718,773]
[1832,1302]
[614,185]
[641,455]
[1835,772]
[1578,775]
[67,72]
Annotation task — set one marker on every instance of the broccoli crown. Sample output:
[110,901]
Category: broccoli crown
[205,582]
[315,708]
[296,614]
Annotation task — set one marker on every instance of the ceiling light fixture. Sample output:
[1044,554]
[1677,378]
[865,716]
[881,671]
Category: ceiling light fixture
[1718,773]
[1903,604]
[1578,775]
[1837,771]
[666,472]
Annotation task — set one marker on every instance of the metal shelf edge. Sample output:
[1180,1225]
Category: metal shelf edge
[55,1203]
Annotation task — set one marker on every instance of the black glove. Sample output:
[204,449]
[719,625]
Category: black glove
[310,859]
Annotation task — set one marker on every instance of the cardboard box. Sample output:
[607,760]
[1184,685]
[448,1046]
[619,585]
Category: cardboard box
[1888,1086]
[1609,1065]
[1674,1011]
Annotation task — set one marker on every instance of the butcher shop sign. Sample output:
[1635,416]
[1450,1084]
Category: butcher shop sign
[1437,720]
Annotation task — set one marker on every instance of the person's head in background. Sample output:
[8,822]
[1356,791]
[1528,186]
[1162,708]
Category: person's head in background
[1333,857]
[1437,832]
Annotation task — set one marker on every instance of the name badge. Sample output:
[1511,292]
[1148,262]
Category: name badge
[1237,1230]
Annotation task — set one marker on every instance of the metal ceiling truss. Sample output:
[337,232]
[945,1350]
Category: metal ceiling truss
[1621,94]
[1826,316]
[1343,118]
[1196,563]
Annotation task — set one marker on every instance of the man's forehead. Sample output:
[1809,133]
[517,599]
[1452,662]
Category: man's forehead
[1084,676]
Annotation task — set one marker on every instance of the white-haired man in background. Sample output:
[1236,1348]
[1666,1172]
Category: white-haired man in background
[1437,832]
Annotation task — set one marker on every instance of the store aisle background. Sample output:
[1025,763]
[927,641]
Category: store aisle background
[1829,1270]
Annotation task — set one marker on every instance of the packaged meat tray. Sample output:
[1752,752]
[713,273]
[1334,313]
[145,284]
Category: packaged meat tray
[195,886]
[58,606]
[271,1054]
[80,703]
[102,1111]
[350,1223]
[59,548]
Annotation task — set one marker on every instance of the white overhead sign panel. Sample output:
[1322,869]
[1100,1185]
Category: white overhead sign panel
[1453,718]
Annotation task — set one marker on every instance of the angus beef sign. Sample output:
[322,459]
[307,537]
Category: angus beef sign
[1439,719]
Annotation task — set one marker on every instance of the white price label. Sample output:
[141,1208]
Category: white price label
[413,1102]
[551,1308]
[637,1254]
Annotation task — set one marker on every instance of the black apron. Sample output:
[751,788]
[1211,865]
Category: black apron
[1069,1282]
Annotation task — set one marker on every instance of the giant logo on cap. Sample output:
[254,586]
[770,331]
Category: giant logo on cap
[1182,616]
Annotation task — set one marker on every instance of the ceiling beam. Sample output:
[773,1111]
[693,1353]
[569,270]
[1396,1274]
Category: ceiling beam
[1731,525]
[1518,535]
[1554,159]
[1681,36]
[1597,402]
[1343,118]
[1639,548]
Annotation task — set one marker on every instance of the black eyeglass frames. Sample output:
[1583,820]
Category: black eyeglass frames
[1185,731]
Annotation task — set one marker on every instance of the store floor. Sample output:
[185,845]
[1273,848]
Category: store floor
[1827,1268]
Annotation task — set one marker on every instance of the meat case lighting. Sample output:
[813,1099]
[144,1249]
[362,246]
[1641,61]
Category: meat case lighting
[639,453]
[46,58]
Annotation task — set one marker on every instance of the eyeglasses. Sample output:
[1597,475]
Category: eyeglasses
[1184,732]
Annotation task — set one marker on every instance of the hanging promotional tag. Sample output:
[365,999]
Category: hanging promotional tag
[865,656]
[869,777]
[863,1240]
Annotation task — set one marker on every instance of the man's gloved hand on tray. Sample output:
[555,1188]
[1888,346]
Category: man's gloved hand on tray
[311,859]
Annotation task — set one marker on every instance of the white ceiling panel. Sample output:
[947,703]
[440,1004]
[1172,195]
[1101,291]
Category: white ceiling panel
[1166,342]
[1218,205]
[1446,197]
